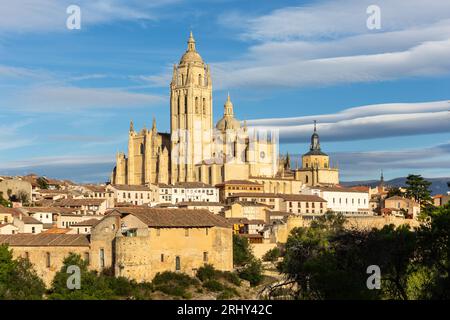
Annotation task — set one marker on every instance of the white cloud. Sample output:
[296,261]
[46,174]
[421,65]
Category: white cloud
[366,122]
[70,98]
[10,136]
[328,43]
[20,16]
[57,161]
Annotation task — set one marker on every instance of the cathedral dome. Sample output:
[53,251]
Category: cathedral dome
[191,54]
[228,120]
[228,123]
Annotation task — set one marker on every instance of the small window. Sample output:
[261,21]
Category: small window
[86,257]
[102,258]
[205,256]
[48,259]
[33,230]
[186,232]
[177,263]
[162,257]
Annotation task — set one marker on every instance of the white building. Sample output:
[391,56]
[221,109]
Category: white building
[133,194]
[188,192]
[347,201]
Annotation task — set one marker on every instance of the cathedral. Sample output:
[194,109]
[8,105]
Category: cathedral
[197,151]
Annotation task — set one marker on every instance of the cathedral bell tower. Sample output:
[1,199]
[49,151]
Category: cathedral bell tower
[191,120]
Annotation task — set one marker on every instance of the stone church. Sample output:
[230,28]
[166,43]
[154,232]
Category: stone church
[197,151]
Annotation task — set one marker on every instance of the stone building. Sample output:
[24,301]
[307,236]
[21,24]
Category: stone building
[135,243]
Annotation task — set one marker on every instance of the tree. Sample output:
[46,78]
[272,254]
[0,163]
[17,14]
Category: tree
[272,255]
[23,197]
[4,202]
[242,253]
[418,189]
[42,183]
[18,280]
[395,191]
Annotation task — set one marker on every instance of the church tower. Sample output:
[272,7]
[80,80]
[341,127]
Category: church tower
[191,120]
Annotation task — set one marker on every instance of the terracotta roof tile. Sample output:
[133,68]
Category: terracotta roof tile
[45,239]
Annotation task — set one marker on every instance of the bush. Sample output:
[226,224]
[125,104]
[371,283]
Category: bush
[272,255]
[206,273]
[174,284]
[227,293]
[252,272]
[213,285]
[231,277]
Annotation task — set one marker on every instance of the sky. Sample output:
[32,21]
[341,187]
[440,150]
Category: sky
[381,96]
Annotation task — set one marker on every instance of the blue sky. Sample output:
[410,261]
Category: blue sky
[381,96]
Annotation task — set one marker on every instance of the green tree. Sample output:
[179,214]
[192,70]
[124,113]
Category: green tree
[395,191]
[18,280]
[23,197]
[42,183]
[242,253]
[418,189]
[272,255]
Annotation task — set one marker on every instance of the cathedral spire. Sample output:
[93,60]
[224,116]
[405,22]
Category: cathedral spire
[154,124]
[191,42]
[315,141]
[131,126]
[228,107]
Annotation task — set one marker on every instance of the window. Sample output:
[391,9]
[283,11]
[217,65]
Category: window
[47,259]
[205,256]
[102,258]
[27,255]
[33,230]
[186,232]
[177,263]
[207,230]
[199,79]
[86,257]
[162,257]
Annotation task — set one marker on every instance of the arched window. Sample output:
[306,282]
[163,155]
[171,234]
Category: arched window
[177,263]
[196,104]
[142,148]
[185,105]
[204,106]
[307,179]
[179,105]
[199,79]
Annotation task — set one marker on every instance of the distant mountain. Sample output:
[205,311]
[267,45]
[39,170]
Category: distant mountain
[438,186]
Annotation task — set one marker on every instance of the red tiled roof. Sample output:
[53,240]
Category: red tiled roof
[45,239]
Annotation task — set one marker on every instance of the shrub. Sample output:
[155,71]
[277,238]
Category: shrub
[206,272]
[272,255]
[213,285]
[231,277]
[252,272]
[174,284]
[242,253]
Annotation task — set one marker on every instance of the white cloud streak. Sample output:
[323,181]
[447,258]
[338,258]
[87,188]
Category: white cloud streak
[366,122]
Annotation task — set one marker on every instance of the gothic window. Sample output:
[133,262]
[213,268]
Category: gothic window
[179,105]
[185,105]
[199,79]
[196,104]
[210,175]
[306,180]
[204,106]
[142,148]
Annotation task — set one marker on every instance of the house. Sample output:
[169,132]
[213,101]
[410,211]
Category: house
[247,209]
[347,201]
[133,194]
[8,228]
[188,192]
[84,206]
[303,203]
[272,200]
[27,224]
[231,187]
[214,207]
[440,199]
[7,215]
[402,207]
[83,227]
